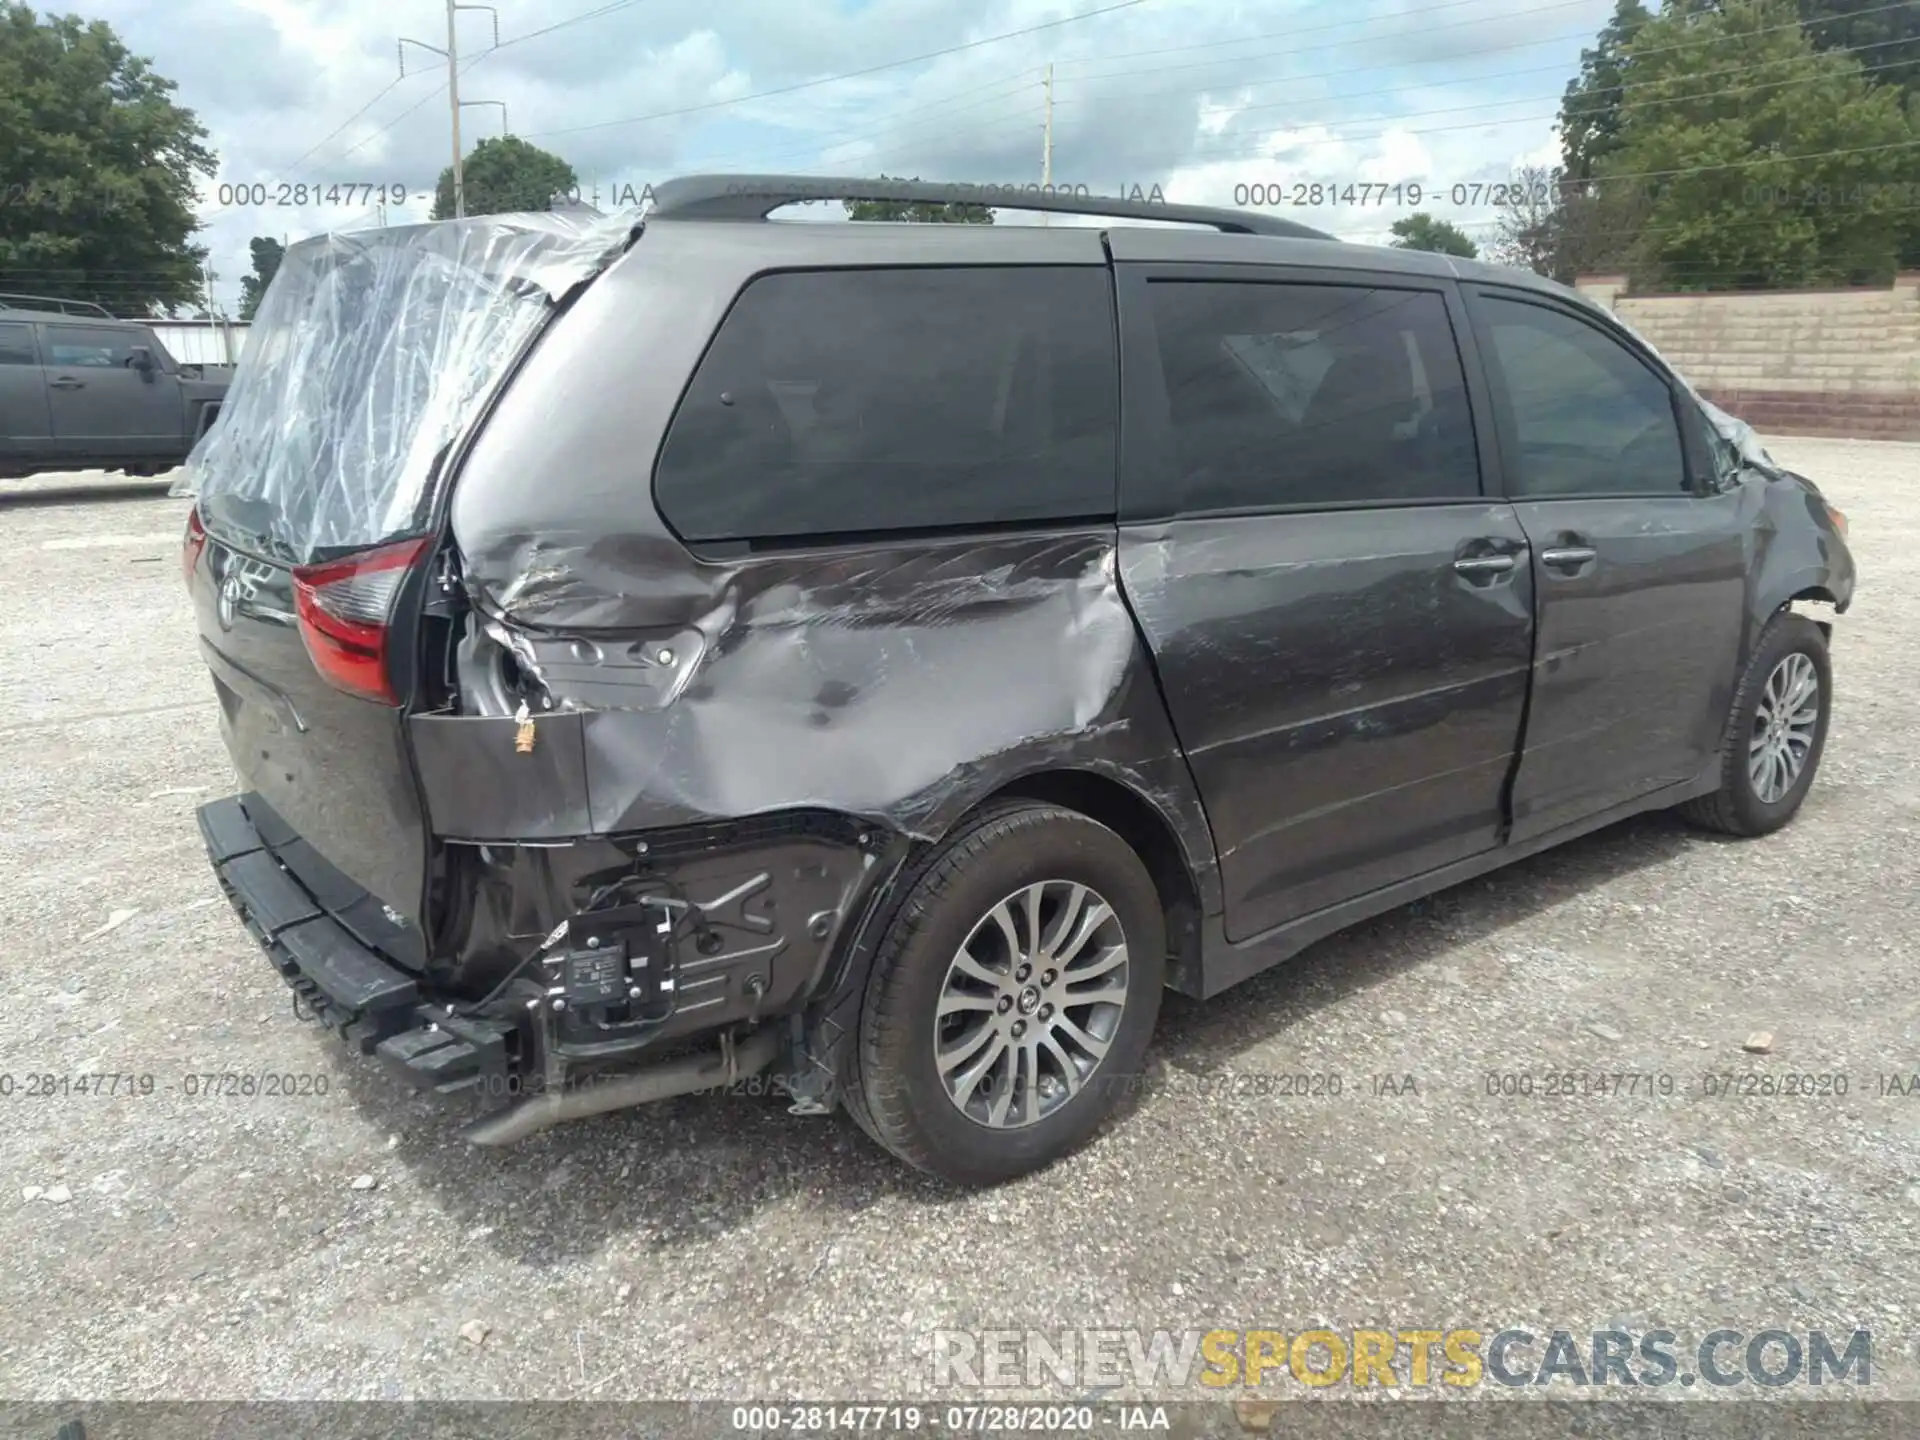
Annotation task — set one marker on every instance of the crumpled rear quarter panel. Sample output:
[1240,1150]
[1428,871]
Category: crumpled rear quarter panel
[895,681]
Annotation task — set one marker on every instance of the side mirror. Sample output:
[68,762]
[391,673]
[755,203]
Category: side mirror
[141,359]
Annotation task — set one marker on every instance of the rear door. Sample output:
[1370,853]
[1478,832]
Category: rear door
[100,404]
[321,493]
[1639,563]
[328,775]
[25,426]
[1341,617]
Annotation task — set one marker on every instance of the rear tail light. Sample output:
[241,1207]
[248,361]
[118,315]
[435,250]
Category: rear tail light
[345,609]
[1838,517]
[193,544]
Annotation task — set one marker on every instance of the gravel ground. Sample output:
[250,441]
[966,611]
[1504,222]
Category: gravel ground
[336,1246]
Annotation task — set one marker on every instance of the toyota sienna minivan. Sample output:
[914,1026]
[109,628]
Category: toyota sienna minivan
[872,661]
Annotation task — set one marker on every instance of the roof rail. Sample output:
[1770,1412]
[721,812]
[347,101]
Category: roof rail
[755,197]
[10,301]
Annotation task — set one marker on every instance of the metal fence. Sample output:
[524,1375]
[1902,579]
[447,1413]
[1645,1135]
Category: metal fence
[202,342]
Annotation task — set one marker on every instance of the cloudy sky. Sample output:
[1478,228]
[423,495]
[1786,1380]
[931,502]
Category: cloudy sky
[1196,96]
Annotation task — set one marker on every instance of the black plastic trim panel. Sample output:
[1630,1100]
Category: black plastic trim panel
[353,990]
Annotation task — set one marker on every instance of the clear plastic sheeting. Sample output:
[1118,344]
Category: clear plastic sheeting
[1738,433]
[372,353]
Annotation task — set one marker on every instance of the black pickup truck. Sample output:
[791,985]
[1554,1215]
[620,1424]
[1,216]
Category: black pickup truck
[82,390]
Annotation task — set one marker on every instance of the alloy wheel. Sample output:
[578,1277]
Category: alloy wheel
[1031,1003]
[1784,723]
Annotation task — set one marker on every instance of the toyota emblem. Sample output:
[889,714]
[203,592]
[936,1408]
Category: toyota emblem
[228,605]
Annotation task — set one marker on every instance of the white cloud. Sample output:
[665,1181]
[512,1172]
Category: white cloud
[1197,97]
[1544,155]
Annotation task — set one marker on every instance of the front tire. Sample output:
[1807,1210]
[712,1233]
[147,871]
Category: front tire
[1775,734]
[1012,996]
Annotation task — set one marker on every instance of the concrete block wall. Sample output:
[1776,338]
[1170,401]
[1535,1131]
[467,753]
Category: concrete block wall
[1795,362]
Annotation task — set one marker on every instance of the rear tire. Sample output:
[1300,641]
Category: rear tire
[1775,734]
[1012,997]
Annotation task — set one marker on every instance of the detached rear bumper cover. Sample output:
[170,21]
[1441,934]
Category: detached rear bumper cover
[349,987]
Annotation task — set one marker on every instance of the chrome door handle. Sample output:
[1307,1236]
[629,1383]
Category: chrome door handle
[1484,564]
[66,382]
[1568,555]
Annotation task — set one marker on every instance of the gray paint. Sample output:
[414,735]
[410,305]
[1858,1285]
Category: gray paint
[1363,722]
[1351,707]
[896,683]
[73,417]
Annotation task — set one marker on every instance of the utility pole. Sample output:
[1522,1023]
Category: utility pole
[452,53]
[453,106]
[1046,150]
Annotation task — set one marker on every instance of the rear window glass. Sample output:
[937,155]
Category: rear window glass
[848,401]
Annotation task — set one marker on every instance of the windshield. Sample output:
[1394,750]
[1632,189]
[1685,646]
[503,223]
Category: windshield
[372,352]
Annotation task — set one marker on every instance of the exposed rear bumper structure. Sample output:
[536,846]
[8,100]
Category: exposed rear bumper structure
[564,1038]
[347,985]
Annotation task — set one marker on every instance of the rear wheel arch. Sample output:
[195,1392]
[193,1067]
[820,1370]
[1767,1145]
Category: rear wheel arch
[1145,828]
[1008,845]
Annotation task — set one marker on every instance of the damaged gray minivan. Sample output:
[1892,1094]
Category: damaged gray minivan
[877,659]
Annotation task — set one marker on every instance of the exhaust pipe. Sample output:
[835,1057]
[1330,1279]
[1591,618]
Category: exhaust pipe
[708,1071]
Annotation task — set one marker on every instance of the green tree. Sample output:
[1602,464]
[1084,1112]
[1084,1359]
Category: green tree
[504,175]
[1885,40]
[1525,229]
[1795,178]
[99,169]
[918,210]
[267,254]
[1590,108]
[1564,230]
[1884,37]
[1420,231]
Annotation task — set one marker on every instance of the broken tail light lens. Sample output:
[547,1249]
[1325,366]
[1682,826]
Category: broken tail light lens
[192,545]
[345,608]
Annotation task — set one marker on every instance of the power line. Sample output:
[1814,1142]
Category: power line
[1768,158]
[1289,33]
[1292,50]
[1395,125]
[391,86]
[1776,215]
[1692,96]
[1488,50]
[848,75]
[891,124]
[437,91]
[624,4]
[1496,121]
[1771,157]
[892,127]
[1000,123]
[1593,109]
[563,24]
[387,90]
